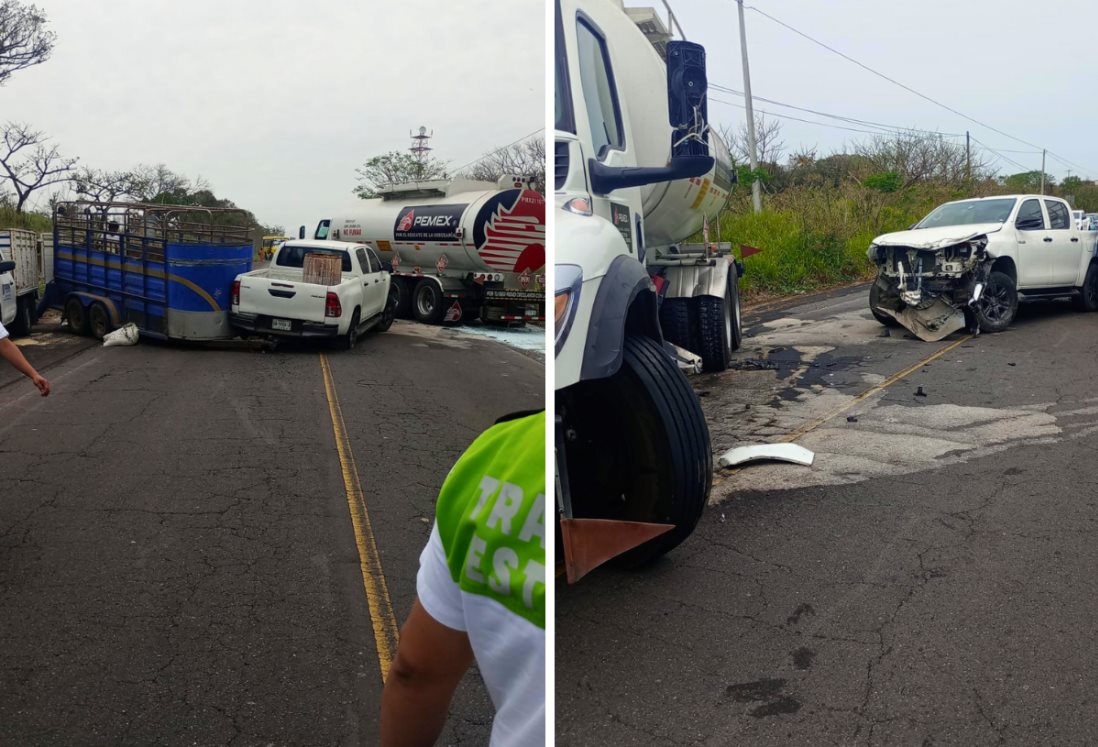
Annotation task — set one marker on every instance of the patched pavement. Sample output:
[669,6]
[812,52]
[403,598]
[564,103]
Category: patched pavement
[927,581]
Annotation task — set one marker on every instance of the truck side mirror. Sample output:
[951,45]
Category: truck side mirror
[301,232]
[687,98]
[7,267]
[605,179]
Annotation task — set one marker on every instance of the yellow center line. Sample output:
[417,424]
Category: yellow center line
[384,622]
[814,424]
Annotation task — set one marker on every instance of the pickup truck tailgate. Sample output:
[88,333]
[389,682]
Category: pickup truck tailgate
[282,294]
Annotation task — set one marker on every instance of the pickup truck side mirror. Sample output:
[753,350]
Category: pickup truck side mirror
[605,179]
[7,267]
[301,232]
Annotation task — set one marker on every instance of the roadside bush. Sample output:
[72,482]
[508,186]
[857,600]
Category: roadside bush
[30,221]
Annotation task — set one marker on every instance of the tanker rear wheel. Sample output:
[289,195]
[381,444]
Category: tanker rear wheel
[402,290]
[641,449]
[678,329]
[427,303]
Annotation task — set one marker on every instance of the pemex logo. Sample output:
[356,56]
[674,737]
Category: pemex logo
[406,221]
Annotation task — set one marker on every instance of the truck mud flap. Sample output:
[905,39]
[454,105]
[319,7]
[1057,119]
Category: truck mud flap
[935,322]
[588,543]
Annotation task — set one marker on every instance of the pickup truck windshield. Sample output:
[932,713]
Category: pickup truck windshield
[969,213]
[294,256]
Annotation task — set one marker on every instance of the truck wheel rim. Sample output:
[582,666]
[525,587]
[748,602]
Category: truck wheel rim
[425,305]
[995,303]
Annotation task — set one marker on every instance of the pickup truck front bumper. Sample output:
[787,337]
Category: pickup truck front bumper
[260,324]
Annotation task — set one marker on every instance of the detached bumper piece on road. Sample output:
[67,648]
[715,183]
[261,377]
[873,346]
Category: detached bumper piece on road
[261,325]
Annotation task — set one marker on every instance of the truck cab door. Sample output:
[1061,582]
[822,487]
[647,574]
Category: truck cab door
[605,138]
[1034,245]
[1065,247]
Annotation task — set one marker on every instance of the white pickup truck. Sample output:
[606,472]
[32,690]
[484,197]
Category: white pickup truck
[972,261]
[278,301]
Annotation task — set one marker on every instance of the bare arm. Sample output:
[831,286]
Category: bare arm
[430,662]
[10,352]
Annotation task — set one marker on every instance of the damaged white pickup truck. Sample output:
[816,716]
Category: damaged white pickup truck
[970,262]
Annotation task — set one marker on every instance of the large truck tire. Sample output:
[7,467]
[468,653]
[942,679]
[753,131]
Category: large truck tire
[24,316]
[427,303]
[676,324]
[641,448]
[99,321]
[736,341]
[402,289]
[718,327]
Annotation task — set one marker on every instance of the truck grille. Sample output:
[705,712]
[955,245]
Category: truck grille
[560,156]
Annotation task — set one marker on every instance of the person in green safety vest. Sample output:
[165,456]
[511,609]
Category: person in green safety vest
[480,594]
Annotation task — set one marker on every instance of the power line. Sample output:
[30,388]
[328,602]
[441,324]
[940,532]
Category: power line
[799,119]
[852,120]
[891,80]
[1000,155]
[497,150]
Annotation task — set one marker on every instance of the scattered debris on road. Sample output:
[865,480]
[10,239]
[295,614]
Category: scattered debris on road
[127,334]
[791,453]
[920,392]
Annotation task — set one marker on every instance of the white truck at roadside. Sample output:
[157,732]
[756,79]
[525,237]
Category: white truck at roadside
[30,256]
[277,300]
[972,262]
[638,172]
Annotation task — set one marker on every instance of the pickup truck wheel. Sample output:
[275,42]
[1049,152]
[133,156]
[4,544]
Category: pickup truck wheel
[998,304]
[403,291]
[24,317]
[641,450]
[1088,294]
[675,323]
[427,303]
[875,303]
[715,331]
[76,316]
[348,340]
[99,321]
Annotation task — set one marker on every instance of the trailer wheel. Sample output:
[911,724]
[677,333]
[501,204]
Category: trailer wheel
[641,448]
[77,316]
[427,303]
[718,322]
[24,317]
[99,321]
[678,329]
[403,292]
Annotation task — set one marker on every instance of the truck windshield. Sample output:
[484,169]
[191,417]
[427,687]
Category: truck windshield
[969,213]
[294,256]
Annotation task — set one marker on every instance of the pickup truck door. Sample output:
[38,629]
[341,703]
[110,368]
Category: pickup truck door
[1065,247]
[374,291]
[1034,245]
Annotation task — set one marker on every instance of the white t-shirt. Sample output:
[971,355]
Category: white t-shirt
[509,649]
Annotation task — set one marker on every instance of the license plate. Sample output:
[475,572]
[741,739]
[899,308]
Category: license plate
[282,324]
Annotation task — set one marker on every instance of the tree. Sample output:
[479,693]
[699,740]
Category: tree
[24,40]
[525,159]
[920,158]
[28,164]
[102,186]
[1028,181]
[768,141]
[396,167]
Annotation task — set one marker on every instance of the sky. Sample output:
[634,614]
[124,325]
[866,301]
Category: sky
[1019,67]
[276,102]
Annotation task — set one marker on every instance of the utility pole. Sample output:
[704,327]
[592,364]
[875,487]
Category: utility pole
[1043,170]
[756,193]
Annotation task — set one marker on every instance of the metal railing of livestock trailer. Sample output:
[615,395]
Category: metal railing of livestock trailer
[167,268]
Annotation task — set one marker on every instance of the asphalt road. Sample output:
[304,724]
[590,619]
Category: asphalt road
[928,581]
[178,563]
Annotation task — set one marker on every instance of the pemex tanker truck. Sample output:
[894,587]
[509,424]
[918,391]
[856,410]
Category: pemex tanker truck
[638,172]
[458,250]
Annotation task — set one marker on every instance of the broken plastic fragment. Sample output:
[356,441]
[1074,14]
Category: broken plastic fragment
[791,453]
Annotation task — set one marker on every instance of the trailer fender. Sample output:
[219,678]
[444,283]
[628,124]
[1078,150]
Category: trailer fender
[693,281]
[625,301]
[89,298]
